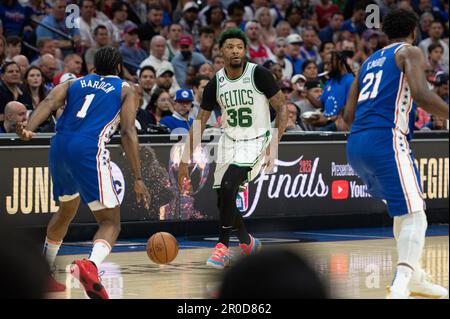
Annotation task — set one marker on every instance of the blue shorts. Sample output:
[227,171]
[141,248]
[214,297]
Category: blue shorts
[384,161]
[79,165]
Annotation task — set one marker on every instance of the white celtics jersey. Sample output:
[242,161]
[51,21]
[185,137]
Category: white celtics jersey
[245,110]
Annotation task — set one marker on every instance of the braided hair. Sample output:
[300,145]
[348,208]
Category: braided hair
[340,60]
[107,61]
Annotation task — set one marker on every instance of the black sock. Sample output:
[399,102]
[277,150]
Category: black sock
[239,228]
[224,235]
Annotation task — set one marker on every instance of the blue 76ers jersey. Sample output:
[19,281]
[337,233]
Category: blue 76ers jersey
[92,107]
[385,99]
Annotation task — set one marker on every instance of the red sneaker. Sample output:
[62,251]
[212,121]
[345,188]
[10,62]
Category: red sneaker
[54,286]
[86,272]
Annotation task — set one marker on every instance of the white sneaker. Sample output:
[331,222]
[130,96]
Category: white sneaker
[420,285]
[396,294]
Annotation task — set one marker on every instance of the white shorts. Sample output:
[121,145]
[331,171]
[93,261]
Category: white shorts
[243,153]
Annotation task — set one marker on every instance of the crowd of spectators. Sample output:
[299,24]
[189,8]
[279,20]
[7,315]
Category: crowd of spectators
[170,52]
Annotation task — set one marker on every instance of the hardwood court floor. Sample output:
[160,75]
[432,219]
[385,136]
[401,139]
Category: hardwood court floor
[351,269]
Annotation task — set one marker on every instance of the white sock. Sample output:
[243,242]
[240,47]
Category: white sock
[99,252]
[51,249]
[402,277]
[409,231]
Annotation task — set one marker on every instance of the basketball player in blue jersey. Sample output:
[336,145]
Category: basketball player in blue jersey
[381,105]
[79,160]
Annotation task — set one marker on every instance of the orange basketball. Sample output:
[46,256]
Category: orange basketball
[162,248]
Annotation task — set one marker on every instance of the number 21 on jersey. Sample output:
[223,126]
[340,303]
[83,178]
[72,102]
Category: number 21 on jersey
[371,84]
[87,102]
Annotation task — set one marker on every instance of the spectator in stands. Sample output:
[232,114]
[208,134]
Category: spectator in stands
[186,57]
[180,117]
[258,51]
[370,42]
[73,63]
[215,18]
[153,26]
[14,17]
[292,125]
[173,40]
[47,46]
[10,87]
[283,29]
[298,85]
[189,21]
[47,64]
[57,20]
[286,89]
[88,24]
[331,32]
[132,54]
[441,85]
[147,77]
[14,47]
[203,14]
[252,7]
[102,39]
[310,70]
[309,50]
[334,95]
[119,14]
[206,69]
[435,53]
[324,51]
[157,51]
[354,58]
[15,112]
[436,32]
[293,17]
[160,105]
[324,11]
[424,25]
[279,51]
[268,32]
[356,24]
[236,13]
[218,62]
[206,42]
[295,42]
[200,82]
[229,24]
[23,63]
[314,90]
[34,85]
[272,274]
[165,79]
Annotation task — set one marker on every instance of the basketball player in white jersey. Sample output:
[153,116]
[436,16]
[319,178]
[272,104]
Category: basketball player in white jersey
[243,91]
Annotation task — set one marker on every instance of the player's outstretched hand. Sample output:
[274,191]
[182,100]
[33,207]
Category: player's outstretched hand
[142,194]
[23,133]
[183,177]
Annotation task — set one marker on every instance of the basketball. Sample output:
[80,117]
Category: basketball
[162,248]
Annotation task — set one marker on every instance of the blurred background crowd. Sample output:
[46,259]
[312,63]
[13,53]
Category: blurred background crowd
[312,47]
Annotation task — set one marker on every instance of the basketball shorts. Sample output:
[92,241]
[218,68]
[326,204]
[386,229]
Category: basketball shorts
[243,153]
[79,166]
[384,161]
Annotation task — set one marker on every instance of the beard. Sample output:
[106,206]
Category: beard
[237,65]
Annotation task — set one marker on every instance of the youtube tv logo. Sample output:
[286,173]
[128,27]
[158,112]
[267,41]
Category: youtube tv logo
[339,189]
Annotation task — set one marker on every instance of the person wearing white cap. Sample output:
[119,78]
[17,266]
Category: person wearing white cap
[189,21]
[295,42]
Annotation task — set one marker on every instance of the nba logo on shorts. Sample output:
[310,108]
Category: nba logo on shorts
[242,200]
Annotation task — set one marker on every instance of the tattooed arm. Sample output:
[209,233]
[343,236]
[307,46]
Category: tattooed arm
[278,102]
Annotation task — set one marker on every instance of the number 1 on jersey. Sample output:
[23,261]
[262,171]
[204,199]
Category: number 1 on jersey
[87,102]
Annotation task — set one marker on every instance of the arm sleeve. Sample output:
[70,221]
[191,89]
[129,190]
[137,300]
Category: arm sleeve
[265,82]
[209,98]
